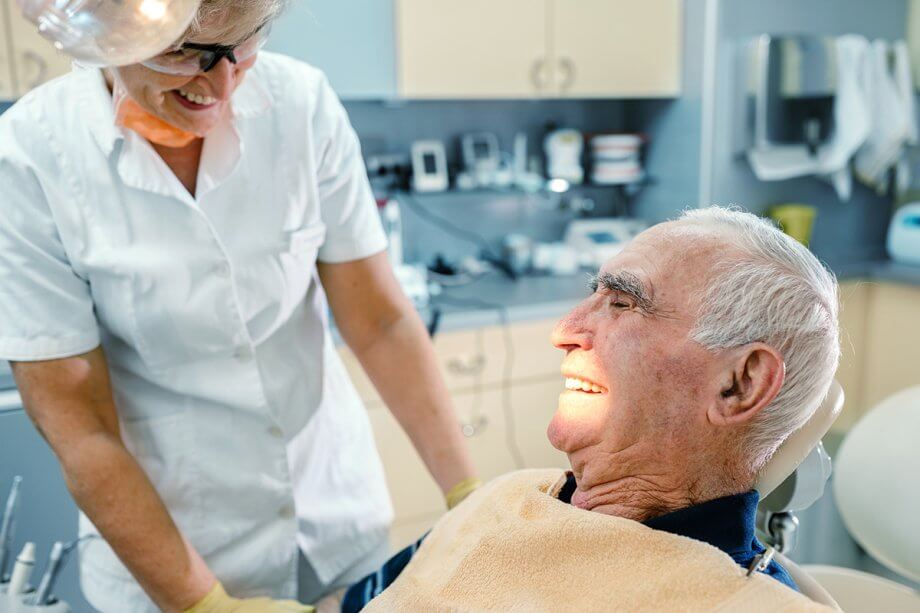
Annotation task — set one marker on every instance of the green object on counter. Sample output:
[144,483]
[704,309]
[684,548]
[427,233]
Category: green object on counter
[796,220]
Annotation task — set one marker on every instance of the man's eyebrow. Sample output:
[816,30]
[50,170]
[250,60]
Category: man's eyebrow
[627,283]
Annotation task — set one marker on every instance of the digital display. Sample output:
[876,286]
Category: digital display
[430,161]
[602,238]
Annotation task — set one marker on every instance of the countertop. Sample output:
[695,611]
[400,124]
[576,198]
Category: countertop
[494,298]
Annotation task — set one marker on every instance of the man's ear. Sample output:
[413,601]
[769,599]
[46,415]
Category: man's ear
[753,377]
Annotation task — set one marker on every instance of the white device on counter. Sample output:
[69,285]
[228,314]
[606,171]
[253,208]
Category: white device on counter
[481,155]
[904,235]
[598,240]
[429,166]
[563,150]
[558,259]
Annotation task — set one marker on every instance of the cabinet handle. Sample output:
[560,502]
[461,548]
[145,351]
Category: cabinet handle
[31,56]
[538,74]
[471,365]
[567,67]
[474,427]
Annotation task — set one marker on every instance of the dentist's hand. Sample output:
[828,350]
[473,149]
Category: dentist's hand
[460,491]
[217,601]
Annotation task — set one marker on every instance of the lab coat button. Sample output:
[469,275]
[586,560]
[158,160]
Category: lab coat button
[276,432]
[286,512]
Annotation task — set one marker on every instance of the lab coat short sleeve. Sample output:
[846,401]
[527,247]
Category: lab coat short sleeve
[46,310]
[353,227]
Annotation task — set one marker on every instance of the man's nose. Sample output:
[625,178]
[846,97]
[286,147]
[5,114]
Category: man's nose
[573,331]
[222,78]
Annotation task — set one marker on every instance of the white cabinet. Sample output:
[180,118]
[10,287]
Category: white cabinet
[472,48]
[34,58]
[538,48]
[617,47]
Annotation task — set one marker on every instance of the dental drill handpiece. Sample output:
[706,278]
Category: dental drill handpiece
[6,528]
[50,574]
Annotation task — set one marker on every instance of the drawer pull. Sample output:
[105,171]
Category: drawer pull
[471,365]
[474,427]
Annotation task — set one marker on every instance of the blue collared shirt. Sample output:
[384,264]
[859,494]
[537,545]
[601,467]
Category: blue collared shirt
[726,523]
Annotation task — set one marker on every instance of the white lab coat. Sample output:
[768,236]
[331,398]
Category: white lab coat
[228,388]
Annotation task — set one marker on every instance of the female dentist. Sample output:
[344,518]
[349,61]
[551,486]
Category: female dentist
[171,235]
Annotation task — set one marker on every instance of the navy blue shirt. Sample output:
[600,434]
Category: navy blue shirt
[725,523]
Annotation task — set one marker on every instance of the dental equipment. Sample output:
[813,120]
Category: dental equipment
[7,527]
[22,570]
[58,551]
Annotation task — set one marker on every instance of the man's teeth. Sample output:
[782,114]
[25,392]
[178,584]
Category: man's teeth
[196,98]
[579,385]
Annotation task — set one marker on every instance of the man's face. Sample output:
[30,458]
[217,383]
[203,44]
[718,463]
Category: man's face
[641,384]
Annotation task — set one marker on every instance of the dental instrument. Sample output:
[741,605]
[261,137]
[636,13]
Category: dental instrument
[58,550]
[7,527]
[22,570]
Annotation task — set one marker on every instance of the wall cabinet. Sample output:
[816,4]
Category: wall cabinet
[538,48]
[33,59]
[7,87]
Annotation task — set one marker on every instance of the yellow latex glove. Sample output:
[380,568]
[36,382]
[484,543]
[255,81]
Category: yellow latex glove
[217,601]
[460,491]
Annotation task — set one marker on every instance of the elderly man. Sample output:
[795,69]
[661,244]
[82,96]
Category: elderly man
[704,344]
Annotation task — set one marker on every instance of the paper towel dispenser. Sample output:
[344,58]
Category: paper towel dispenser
[791,82]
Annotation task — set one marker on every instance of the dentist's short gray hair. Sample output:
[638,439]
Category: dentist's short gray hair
[779,293]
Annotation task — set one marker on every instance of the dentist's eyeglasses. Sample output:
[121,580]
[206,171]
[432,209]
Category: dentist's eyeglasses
[190,59]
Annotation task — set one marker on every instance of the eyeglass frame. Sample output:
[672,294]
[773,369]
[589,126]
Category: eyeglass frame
[220,51]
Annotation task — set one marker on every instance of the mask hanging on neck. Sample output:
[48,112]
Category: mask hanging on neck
[130,115]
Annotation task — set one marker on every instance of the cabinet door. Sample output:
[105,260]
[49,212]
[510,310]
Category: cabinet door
[7,87]
[35,60]
[617,48]
[471,48]
[415,494]
[352,41]
[854,303]
[892,360]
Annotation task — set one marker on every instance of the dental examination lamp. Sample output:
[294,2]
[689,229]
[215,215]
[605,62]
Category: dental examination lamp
[110,32]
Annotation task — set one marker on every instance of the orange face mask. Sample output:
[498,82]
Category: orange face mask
[129,114]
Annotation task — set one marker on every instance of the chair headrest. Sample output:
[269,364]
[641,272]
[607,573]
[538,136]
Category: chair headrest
[800,443]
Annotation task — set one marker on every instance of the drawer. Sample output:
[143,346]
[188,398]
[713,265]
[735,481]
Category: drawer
[412,488]
[470,359]
[532,407]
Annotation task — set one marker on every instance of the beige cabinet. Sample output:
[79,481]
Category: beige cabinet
[621,47]
[854,305]
[505,385]
[471,49]
[538,48]
[7,86]
[34,58]
[892,345]
[880,344]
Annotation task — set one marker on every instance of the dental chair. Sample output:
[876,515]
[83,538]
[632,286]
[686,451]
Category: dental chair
[793,480]
[875,505]
[877,490]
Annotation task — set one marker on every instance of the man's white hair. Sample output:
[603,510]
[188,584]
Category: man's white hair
[776,292]
[232,20]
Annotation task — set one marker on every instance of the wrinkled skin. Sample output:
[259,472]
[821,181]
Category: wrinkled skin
[663,432]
